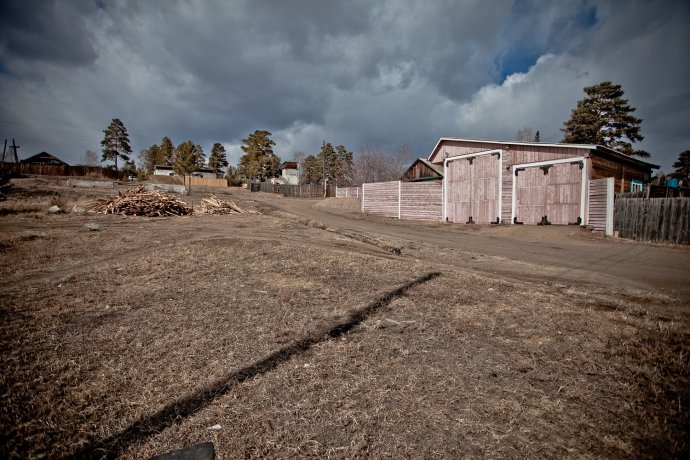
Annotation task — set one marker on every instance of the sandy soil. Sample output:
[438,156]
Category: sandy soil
[302,332]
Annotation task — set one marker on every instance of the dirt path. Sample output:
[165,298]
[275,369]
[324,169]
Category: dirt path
[568,253]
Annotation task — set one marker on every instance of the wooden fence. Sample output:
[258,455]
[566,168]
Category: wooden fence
[306,191]
[404,200]
[65,171]
[292,191]
[191,181]
[654,219]
[421,200]
[188,180]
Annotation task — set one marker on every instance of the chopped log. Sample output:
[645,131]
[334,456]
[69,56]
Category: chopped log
[214,205]
[141,202]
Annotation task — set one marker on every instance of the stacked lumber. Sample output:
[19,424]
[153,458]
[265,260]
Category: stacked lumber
[141,202]
[214,205]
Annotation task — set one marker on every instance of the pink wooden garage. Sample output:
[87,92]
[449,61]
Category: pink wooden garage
[531,183]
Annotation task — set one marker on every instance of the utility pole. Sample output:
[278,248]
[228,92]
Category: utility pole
[14,148]
[323,152]
[4,149]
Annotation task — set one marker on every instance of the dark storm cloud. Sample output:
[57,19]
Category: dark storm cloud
[356,72]
[51,31]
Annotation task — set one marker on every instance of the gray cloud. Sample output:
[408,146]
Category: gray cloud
[47,31]
[355,73]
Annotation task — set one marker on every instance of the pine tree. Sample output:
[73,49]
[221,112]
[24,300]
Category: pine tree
[604,118]
[682,167]
[345,165]
[167,151]
[186,159]
[218,158]
[151,157]
[199,156]
[537,137]
[115,143]
[259,161]
[312,170]
[332,164]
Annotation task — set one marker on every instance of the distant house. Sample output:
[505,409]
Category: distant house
[44,158]
[290,173]
[165,170]
[423,170]
[206,173]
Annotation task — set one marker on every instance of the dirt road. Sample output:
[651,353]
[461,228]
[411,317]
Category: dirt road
[568,253]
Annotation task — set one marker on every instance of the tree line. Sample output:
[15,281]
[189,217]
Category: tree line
[604,117]
[185,159]
[334,165]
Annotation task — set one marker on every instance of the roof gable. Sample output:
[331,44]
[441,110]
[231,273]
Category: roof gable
[44,158]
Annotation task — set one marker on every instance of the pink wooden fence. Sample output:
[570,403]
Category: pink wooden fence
[404,200]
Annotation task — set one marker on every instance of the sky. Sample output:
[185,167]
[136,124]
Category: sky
[360,73]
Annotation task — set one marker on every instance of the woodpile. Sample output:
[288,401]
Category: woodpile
[141,202]
[214,205]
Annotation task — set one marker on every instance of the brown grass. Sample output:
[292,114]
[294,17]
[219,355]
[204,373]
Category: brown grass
[109,336]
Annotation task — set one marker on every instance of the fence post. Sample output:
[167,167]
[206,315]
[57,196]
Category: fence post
[399,197]
[362,202]
[609,206]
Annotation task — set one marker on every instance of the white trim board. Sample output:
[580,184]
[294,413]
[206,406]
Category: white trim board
[469,155]
[583,181]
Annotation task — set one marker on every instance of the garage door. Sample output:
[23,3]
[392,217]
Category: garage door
[548,194]
[472,189]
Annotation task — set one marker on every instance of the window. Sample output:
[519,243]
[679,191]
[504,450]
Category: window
[636,185]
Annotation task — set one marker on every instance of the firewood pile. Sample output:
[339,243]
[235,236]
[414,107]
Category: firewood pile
[141,202]
[214,205]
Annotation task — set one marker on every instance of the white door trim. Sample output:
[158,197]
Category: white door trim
[583,181]
[469,155]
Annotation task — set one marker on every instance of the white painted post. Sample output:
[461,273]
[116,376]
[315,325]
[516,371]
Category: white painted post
[500,186]
[609,205]
[363,197]
[583,194]
[399,196]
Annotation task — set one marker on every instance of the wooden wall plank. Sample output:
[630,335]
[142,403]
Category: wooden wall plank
[655,219]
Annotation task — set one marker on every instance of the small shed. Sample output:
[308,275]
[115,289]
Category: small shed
[423,170]
[527,182]
[44,158]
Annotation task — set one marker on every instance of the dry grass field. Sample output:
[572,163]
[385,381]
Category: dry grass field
[275,339]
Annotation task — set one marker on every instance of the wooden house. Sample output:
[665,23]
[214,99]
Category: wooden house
[423,170]
[44,158]
[530,183]
[290,172]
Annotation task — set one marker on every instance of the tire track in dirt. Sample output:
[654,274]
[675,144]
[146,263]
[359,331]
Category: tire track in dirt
[188,406]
